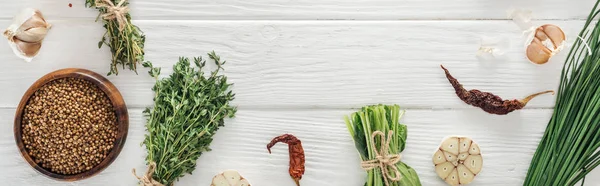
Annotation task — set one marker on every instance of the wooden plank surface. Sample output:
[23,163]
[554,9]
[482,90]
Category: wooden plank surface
[507,143]
[299,66]
[316,10]
[305,64]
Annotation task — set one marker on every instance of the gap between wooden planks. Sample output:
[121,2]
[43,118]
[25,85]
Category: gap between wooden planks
[308,64]
[314,10]
[507,143]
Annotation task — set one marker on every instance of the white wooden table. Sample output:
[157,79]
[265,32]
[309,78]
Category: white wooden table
[299,66]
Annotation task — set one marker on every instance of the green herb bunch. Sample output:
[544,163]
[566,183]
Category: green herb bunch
[126,46]
[568,150]
[189,107]
[384,118]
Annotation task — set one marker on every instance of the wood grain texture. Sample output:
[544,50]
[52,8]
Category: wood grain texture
[116,100]
[507,144]
[305,64]
[314,10]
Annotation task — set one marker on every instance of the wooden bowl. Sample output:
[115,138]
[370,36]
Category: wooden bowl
[120,110]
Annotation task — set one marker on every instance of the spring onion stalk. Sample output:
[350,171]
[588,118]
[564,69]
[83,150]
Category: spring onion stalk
[384,118]
[568,150]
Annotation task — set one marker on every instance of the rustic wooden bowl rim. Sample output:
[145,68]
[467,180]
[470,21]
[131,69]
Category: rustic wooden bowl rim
[120,110]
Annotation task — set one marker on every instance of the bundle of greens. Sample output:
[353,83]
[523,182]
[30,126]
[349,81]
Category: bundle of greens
[363,125]
[125,40]
[568,150]
[189,107]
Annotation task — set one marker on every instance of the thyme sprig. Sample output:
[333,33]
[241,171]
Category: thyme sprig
[189,107]
[126,46]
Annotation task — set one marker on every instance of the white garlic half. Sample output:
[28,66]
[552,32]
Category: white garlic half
[229,178]
[458,160]
[26,33]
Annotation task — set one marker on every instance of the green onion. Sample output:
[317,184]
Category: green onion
[384,118]
[568,149]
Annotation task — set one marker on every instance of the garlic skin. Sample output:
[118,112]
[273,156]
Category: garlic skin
[26,33]
[229,178]
[458,160]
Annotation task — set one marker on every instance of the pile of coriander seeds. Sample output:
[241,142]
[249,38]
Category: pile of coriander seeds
[69,126]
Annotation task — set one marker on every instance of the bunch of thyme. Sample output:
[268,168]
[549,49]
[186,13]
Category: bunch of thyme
[126,41]
[189,107]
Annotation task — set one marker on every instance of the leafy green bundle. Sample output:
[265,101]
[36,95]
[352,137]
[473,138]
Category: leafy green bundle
[189,108]
[126,44]
[384,118]
[568,150]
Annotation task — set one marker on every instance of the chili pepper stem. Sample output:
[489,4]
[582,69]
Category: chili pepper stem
[528,98]
[297,181]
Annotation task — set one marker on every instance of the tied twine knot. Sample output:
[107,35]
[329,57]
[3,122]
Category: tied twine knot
[117,12]
[383,160]
[146,179]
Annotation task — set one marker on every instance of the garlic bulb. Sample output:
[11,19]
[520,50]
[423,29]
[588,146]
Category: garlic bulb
[458,160]
[544,42]
[229,178]
[26,33]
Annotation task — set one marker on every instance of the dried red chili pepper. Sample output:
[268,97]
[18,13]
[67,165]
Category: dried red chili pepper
[489,102]
[296,155]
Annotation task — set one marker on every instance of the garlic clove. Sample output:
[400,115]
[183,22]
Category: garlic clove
[537,53]
[27,49]
[463,156]
[444,169]
[465,143]
[464,175]
[450,157]
[474,149]
[450,145]
[35,34]
[452,179]
[438,157]
[555,34]
[474,163]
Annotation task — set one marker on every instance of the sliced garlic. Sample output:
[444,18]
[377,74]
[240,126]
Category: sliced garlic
[544,42]
[458,160]
[26,33]
[229,178]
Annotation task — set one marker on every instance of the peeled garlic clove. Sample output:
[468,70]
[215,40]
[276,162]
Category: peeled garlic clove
[464,175]
[452,179]
[444,169]
[450,145]
[465,143]
[27,49]
[438,157]
[229,178]
[461,168]
[474,163]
